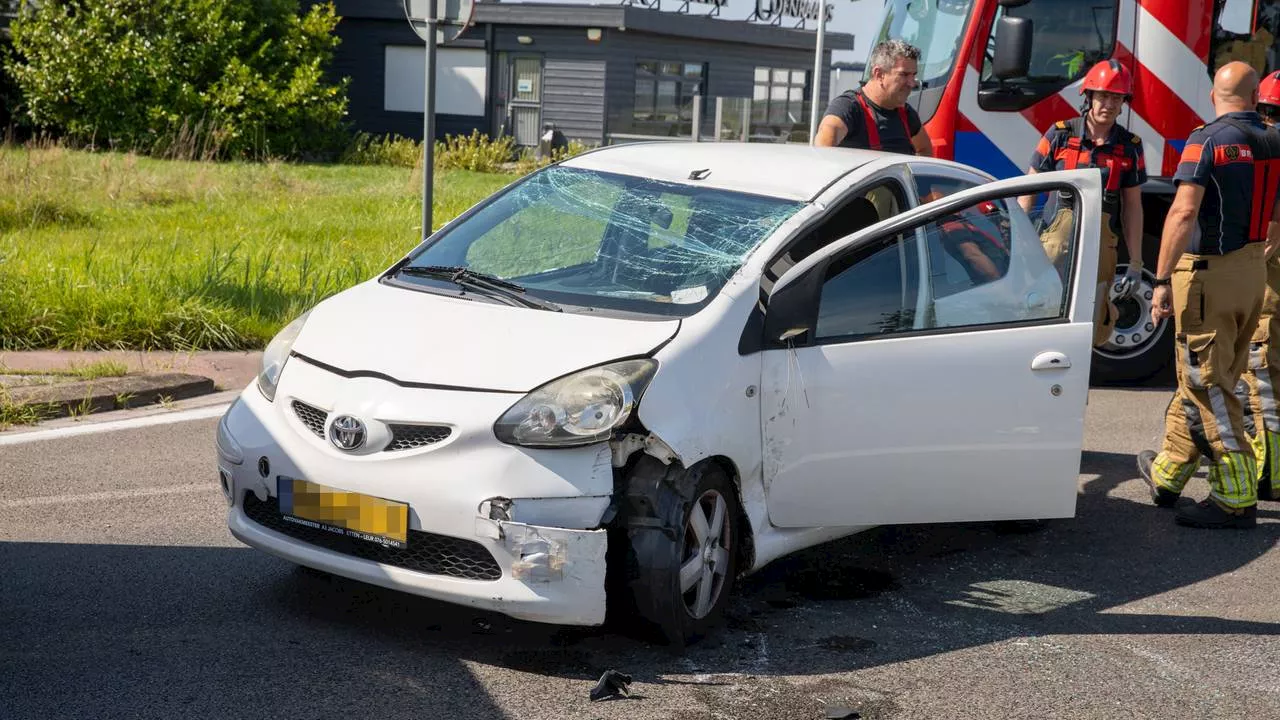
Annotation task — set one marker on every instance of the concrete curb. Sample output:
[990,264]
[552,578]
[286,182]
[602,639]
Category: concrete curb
[105,394]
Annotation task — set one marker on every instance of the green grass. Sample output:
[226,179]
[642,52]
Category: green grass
[91,371]
[109,250]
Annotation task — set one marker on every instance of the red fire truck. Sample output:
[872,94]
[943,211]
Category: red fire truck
[996,73]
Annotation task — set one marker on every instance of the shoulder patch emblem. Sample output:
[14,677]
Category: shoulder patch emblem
[1135,139]
[1232,152]
[1061,125]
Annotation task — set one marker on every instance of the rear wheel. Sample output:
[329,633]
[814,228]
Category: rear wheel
[1138,349]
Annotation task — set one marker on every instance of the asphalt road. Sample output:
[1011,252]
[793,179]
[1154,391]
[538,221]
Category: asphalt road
[123,595]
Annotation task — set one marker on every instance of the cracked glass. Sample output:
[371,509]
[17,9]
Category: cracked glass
[589,239]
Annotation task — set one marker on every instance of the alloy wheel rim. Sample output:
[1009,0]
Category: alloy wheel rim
[704,559]
[1135,330]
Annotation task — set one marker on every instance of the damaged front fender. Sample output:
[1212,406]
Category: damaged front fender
[556,561]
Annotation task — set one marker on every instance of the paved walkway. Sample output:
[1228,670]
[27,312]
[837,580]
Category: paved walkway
[228,370]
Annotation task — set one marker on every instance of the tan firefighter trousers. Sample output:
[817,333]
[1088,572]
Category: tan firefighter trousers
[1261,379]
[1057,240]
[1217,300]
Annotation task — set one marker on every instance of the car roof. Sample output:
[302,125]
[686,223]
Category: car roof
[785,170]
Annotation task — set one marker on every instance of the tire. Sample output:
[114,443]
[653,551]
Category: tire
[684,530]
[1139,350]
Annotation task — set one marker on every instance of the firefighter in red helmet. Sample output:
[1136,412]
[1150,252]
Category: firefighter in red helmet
[1096,139]
[1262,377]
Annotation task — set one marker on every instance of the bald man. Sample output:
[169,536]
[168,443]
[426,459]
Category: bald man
[1210,279]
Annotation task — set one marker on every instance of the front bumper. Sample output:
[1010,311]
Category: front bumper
[539,556]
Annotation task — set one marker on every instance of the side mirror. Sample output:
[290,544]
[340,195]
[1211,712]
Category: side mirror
[789,314]
[1012,57]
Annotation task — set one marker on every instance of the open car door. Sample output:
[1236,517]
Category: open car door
[935,366]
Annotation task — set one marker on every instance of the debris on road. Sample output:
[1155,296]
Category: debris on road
[611,683]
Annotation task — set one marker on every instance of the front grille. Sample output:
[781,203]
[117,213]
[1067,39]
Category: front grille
[311,416]
[412,437]
[426,552]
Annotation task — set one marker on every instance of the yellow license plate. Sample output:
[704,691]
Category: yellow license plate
[385,522]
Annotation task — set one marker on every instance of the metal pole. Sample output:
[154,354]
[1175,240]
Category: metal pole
[817,72]
[429,120]
[696,126]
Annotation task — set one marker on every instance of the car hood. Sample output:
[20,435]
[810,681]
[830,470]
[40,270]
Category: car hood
[419,337]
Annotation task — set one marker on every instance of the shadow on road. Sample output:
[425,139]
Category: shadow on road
[160,631]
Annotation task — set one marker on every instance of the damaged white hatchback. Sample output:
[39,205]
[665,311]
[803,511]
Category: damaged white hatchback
[639,374]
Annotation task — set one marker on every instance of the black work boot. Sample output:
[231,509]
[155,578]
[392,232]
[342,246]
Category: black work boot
[1210,515]
[1160,496]
[1264,490]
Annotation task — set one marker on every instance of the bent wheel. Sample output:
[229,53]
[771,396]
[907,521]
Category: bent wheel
[683,529]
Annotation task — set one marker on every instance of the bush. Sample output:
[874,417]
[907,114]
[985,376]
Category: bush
[366,149]
[529,160]
[234,78]
[474,152]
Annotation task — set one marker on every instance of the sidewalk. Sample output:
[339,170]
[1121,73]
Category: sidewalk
[228,370]
[31,388]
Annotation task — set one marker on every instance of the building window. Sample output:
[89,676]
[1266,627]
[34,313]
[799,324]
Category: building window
[779,97]
[461,80]
[665,90]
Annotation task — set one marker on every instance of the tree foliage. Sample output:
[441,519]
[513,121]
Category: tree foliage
[244,77]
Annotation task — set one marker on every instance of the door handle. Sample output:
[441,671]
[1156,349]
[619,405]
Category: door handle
[1051,360]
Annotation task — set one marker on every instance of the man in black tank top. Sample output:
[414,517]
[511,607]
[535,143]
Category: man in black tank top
[876,116]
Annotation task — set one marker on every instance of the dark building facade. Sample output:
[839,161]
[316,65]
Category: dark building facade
[598,73]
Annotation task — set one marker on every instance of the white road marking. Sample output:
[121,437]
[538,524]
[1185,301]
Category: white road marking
[202,413]
[106,495]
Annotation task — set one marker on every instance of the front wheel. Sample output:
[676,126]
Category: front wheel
[681,568]
[1138,348]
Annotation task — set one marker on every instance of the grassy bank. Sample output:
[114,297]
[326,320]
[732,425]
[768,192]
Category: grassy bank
[106,250]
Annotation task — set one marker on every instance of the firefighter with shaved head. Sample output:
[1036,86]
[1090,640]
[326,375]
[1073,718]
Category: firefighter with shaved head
[1210,278]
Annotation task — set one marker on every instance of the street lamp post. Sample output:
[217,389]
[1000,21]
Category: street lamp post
[817,72]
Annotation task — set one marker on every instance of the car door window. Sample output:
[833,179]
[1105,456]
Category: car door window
[873,292]
[986,266]
[935,187]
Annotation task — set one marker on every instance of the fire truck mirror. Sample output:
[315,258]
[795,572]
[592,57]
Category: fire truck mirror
[1012,56]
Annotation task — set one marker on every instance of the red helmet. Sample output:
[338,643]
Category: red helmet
[1269,90]
[1108,76]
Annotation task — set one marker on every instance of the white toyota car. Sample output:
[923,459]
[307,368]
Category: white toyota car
[632,377]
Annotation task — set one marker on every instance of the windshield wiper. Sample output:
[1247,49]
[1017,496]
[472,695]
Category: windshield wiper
[467,278]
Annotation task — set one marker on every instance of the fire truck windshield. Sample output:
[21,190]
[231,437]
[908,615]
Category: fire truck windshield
[934,26]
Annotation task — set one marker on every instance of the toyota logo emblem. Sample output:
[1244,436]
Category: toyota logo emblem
[347,433]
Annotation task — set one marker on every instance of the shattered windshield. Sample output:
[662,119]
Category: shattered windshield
[935,27]
[590,239]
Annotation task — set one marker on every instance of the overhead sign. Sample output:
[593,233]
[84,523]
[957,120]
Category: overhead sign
[767,10]
[452,17]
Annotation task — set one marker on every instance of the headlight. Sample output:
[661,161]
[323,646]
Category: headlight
[276,354]
[578,409]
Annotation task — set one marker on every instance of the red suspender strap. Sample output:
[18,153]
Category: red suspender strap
[873,131]
[1266,183]
[906,124]
[1071,158]
[1118,163]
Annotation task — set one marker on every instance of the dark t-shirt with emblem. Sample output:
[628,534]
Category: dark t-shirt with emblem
[894,137]
[1218,158]
[1119,159]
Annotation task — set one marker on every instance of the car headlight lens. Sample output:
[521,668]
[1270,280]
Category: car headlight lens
[578,409]
[275,356]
